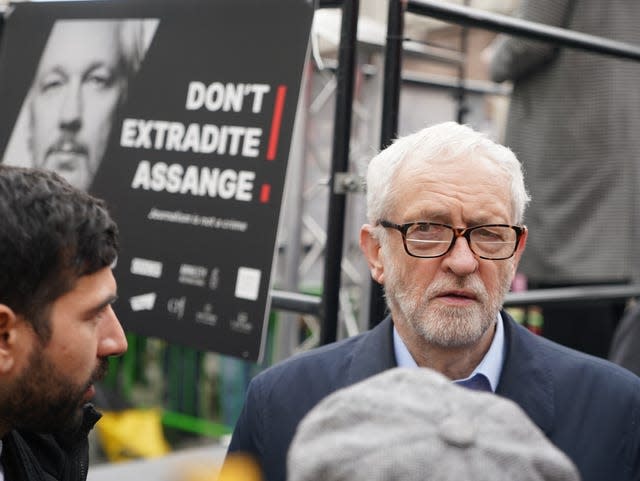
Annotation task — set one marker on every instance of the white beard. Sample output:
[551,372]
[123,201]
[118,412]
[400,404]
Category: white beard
[444,326]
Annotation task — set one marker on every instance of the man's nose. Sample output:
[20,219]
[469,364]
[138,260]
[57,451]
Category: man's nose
[70,114]
[460,259]
[113,341]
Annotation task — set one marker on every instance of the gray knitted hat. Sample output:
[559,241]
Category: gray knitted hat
[415,424]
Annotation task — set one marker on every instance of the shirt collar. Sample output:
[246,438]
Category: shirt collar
[490,365]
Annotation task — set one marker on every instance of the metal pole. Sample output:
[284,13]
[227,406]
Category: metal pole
[389,127]
[339,164]
[462,72]
[296,302]
[290,301]
[473,17]
[568,295]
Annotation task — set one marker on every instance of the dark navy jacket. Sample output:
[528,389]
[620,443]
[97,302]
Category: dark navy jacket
[588,407]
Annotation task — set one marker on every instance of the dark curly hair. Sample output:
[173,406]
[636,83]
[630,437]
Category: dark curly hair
[50,234]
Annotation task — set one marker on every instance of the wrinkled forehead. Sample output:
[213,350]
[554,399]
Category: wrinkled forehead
[474,181]
[456,168]
[75,45]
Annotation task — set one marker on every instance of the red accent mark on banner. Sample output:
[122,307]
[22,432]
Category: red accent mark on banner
[265,193]
[276,120]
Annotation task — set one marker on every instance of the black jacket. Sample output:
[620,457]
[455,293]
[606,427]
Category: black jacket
[45,457]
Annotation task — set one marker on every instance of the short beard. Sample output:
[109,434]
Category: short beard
[45,400]
[445,326]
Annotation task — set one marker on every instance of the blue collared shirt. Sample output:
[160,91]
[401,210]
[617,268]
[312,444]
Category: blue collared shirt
[490,366]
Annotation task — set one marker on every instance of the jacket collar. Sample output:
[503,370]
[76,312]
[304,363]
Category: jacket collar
[526,376]
[89,418]
[37,457]
[373,352]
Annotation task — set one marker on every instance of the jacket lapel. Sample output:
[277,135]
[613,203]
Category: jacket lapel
[373,353]
[526,375]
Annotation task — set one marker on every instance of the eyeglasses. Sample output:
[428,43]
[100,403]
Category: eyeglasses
[428,239]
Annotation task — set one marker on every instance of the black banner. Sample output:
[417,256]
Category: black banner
[180,115]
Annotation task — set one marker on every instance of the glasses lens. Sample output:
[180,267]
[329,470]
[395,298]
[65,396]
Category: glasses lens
[428,240]
[493,242]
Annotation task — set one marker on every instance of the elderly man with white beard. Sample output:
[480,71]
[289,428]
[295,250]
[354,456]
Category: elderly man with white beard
[444,236]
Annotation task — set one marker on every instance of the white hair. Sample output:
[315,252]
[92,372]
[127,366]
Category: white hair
[134,36]
[448,140]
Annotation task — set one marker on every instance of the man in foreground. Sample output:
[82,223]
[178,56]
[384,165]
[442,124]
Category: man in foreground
[444,236]
[57,327]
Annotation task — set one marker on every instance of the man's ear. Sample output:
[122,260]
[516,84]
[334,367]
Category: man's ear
[519,251]
[370,246]
[521,245]
[8,338]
